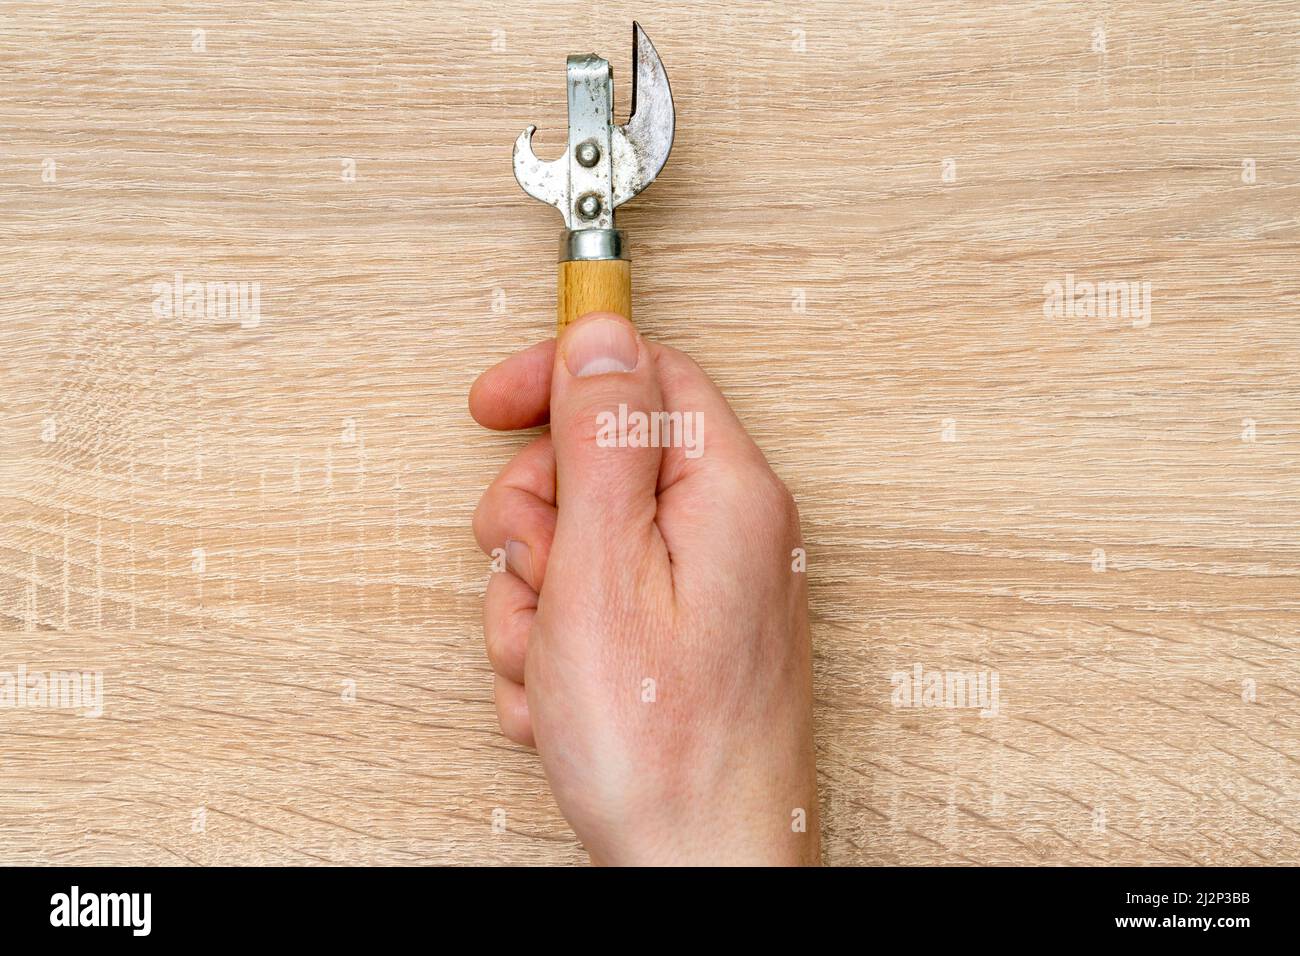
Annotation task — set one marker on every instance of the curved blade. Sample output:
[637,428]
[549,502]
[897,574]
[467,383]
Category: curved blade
[642,146]
[548,182]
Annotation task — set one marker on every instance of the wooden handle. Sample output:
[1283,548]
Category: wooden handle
[593,285]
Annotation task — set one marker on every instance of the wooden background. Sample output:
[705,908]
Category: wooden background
[233,523]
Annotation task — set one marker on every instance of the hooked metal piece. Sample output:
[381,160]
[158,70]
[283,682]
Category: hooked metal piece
[604,165]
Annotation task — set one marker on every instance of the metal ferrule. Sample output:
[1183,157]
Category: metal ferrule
[579,244]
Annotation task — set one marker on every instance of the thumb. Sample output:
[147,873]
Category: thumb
[604,376]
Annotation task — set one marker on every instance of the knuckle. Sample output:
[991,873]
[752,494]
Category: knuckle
[676,368]
[521,514]
[497,655]
[505,628]
[588,420]
[479,522]
[531,476]
[783,500]
[530,521]
[763,498]
[513,718]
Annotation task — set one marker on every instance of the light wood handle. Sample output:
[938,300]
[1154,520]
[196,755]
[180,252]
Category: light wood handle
[593,285]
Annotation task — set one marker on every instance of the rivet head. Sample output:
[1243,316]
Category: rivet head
[587,153]
[589,206]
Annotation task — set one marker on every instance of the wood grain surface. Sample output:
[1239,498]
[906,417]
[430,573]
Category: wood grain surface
[256,524]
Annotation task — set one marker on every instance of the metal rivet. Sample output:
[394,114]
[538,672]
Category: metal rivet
[589,206]
[588,154]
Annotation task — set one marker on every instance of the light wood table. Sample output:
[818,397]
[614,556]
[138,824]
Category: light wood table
[257,529]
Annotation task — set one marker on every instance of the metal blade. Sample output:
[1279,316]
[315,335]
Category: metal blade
[641,147]
[604,165]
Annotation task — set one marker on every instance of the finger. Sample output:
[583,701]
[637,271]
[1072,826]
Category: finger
[715,490]
[512,711]
[689,392]
[508,612]
[604,375]
[517,512]
[515,393]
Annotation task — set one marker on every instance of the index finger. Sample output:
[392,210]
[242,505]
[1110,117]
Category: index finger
[516,392]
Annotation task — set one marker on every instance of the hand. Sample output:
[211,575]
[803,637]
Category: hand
[651,634]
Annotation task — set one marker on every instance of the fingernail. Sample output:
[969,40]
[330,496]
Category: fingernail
[519,558]
[599,346]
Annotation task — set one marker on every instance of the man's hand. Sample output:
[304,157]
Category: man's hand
[651,634]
